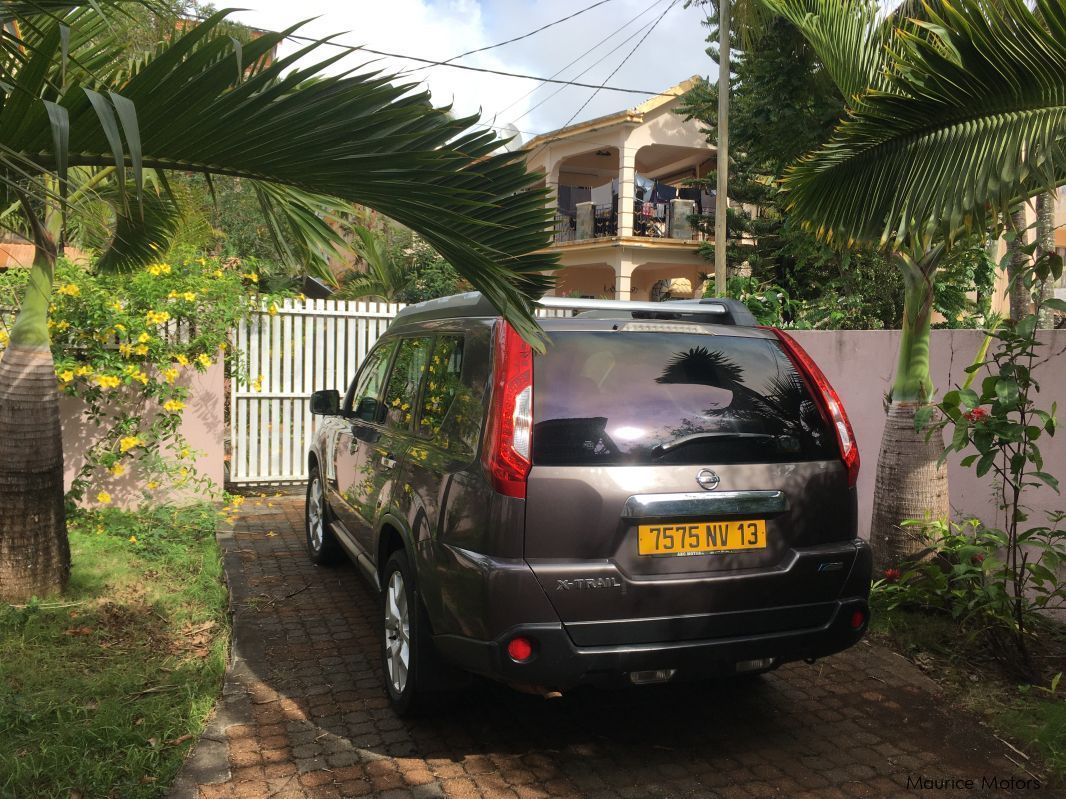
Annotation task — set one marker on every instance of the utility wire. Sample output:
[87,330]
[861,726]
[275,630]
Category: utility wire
[585,71]
[623,61]
[517,38]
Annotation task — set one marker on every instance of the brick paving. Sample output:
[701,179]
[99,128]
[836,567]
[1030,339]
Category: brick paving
[303,714]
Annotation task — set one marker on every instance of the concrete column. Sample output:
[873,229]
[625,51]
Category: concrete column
[623,274]
[627,171]
[680,211]
[586,221]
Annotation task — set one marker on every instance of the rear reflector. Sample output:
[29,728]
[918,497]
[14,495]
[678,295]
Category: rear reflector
[510,430]
[520,649]
[829,401]
[858,619]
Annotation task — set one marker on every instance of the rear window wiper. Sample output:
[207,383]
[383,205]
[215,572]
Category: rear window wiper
[682,440]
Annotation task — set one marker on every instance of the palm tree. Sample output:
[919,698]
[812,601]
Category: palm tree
[206,103]
[385,277]
[935,135]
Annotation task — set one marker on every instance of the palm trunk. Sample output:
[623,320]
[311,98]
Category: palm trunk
[34,551]
[1017,262]
[909,484]
[1045,243]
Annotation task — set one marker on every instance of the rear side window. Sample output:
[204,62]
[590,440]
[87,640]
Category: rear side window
[401,396]
[451,409]
[609,397]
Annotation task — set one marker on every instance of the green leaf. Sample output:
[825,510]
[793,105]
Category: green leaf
[1048,479]
[1007,392]
[987,460]
[1055,304]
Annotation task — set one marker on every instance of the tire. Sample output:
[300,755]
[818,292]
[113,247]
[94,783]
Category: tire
[423,681]
[322,546]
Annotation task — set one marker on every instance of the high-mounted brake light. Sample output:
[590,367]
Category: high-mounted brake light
[829,401]
[510,433]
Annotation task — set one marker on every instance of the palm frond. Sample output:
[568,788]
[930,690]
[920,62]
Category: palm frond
[359,137]
[973,117]
[298,223]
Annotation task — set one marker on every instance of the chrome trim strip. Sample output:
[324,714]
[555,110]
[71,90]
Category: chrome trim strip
[642,506]
[578,304]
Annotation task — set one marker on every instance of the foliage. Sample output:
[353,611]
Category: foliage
[401,267]
[206,102]
[954,108]
[104,692]
[996,581]
[127,346]
[967,268]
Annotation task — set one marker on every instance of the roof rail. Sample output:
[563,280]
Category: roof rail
[716,310]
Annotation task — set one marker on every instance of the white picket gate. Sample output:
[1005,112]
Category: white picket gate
[305,346]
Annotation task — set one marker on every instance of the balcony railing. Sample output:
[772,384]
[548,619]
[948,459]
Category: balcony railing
[650,220]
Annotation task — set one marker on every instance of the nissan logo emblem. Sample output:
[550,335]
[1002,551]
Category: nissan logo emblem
[707,479]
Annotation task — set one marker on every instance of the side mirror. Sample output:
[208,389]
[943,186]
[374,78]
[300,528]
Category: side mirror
[326,402]
[367,410]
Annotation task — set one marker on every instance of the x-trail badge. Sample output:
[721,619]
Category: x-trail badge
[707,479]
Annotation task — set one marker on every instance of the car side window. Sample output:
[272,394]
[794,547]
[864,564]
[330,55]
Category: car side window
[401,396]
[450,413]
[364,400]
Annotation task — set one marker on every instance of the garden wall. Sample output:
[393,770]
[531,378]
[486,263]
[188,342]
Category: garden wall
[860,365]
[202,425]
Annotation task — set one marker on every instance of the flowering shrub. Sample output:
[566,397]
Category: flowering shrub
[125,346]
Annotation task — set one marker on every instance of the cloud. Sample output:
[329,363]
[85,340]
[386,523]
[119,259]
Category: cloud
[440,29]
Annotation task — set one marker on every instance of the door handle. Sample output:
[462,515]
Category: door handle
[388,461]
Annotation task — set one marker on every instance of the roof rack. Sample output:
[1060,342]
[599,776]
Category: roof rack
[716,310]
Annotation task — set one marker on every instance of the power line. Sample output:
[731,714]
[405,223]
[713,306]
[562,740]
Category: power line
[588,69]
[623,61]
[519,38]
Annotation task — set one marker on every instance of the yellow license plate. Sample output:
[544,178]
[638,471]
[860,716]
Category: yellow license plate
[697,538]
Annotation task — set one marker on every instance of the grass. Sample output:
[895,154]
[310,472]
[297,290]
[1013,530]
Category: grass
[104,690]
[1031,717]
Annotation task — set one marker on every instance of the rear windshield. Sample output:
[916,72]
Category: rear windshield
[608,397]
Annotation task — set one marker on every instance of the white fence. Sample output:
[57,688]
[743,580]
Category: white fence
[305,346]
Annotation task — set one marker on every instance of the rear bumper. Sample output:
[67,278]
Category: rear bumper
[559,663]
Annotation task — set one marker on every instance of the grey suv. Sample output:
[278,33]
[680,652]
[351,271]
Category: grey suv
[668,492]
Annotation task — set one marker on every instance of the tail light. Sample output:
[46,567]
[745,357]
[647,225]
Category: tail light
[510,429]
[828,400]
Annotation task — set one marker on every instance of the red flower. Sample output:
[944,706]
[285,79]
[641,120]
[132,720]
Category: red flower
[892,575]
[976,415]
[977,559]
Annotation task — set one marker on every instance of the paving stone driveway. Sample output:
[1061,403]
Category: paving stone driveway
[303,714]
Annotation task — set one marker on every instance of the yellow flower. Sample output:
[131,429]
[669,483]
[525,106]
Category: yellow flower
[82,371]
[152,485]
[272,309]
[159,269]
[301,297]
[118,470]
[396,403]
[4,337]
[144,338]
[108,381]
[222,347]
[141,377]
[257,384]
[203,359]
[116,306]
[405,406]
[170,374]
[184,452]
[173,406]
[217,273]
[119,327]
[157,317]
[133,539]
[141,349]
[189,296]
[236,501]
[183,361]
[66,375]
[184,471]
[201,261]
[173,295]
[126,350]
[103,498]
[63,324]
[129,442]
[251,276]
[69,290]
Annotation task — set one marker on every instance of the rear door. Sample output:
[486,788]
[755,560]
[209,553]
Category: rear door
[678,473]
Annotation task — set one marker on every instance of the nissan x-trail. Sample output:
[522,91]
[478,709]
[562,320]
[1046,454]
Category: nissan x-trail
[666,492]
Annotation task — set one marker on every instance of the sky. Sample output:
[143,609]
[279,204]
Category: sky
[673,51]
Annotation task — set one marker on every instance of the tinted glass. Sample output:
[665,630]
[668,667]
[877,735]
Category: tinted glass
[364,399]
[647,398]
[442,384]
[402,394]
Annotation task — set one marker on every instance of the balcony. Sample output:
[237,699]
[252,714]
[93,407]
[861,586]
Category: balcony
[670,220]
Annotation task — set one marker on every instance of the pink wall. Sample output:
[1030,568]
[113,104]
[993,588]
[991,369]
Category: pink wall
[202,425]
[860,365]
